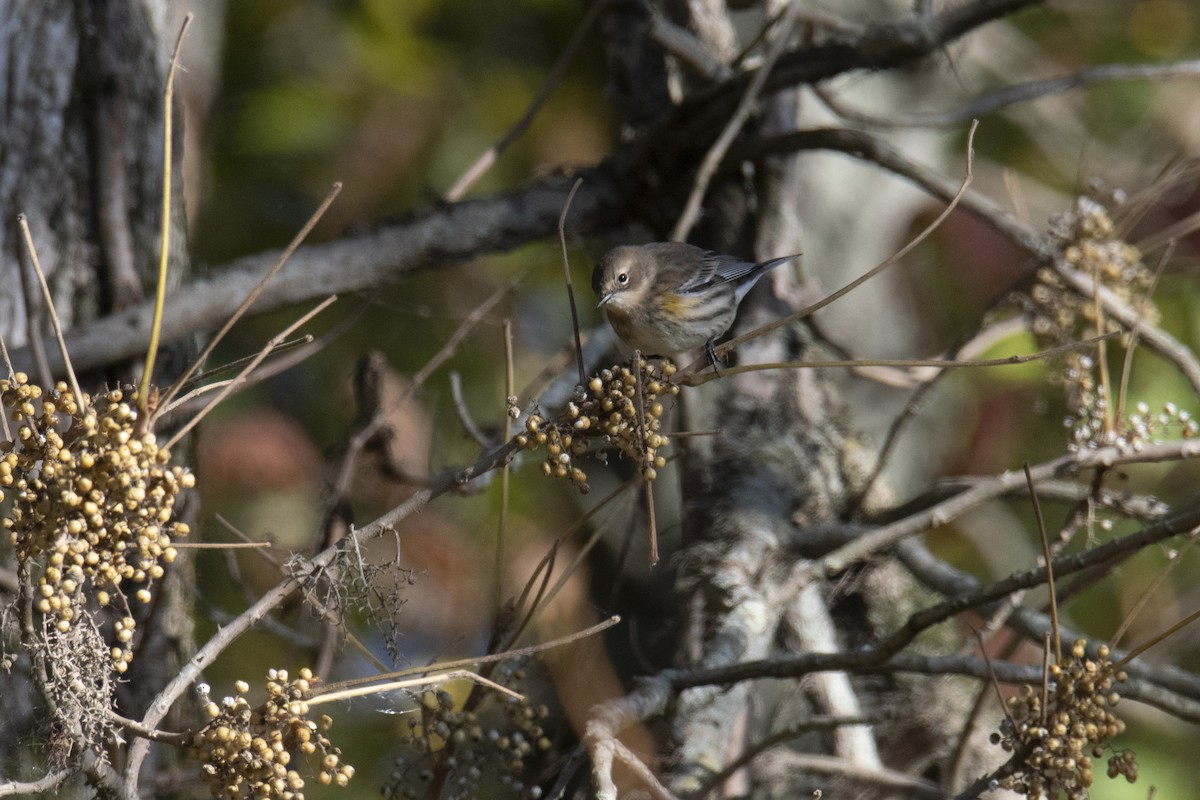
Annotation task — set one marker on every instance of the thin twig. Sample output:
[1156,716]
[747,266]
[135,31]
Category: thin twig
[233,384]
[941,513]
[464,415]
[465,327]
[473,660]
[489,157]
[1166,345]
[1006,361]
[716,153]
[58,333]
[12,376]
[220,545]
[647,469]
[1046,673]
[724,349]
[995,100]
[391,686]
[1158,638]
[240,311]
[562,240]
[822,723]
[505,474]
[231,631]
[1131,345]
[1173,561]
[545,569]
[164,251]
[267,371]
[874,150]
[1045,539]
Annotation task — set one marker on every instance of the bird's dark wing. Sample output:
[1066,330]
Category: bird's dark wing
[716,268]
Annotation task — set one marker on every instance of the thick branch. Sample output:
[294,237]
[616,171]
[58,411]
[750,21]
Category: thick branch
[440,237]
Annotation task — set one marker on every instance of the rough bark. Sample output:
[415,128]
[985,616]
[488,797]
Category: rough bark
[81,157]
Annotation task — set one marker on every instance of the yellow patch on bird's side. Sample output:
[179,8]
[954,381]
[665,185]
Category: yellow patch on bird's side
[675,305]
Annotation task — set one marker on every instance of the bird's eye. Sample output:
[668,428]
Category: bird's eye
[623,278]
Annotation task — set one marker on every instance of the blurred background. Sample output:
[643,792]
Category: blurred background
[396,98]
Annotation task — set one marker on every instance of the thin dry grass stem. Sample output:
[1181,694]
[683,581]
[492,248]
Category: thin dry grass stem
[647,483]
[1157,638]
[33,329]
[164,250]
[978,343]
[752,751]
[430,680]
[583,551]
[505,475]
[362,648]
[233,384]
[716,153]
[1046,671]
[724,349]
[1149,591]
[554,77]
[562,240]
[544,569]
[41,276]
[1173,232]
[238,363]
[963,740]
[1102,359]
[995,681]
[245,537]
[686,434]
[649,489]
[462,663]
[8,367]
[1045,539]
[219,545]
[465,327]
[253,295]
[1136,328]
[266,371]
[697,379]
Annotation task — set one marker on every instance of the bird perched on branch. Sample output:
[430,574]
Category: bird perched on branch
[669,297]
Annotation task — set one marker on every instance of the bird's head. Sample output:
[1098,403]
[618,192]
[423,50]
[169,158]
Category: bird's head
[623,277]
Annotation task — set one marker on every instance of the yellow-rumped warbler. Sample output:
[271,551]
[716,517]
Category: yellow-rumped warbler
[667,297]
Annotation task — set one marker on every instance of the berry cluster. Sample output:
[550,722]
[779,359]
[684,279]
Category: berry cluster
[468,749]
[608,410]
[253,751]
[93,500]
[1088,242]
[1057,740]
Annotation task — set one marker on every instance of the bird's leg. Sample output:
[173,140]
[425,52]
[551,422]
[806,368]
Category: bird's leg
[710,350]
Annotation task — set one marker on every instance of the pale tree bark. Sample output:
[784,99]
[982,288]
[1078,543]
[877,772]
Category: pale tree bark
[81,144]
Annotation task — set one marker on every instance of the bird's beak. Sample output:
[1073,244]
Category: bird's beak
[604,298]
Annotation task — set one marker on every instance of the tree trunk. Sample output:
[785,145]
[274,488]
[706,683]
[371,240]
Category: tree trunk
[81,144]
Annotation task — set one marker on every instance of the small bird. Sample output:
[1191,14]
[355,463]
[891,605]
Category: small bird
[668,297]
